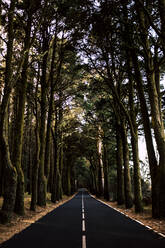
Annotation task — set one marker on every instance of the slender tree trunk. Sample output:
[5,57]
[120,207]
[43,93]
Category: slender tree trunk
[61,165]
[50,178]
[10,173]
[134,142]
[41,175]
[100,165]
[18,137]
[137,176]
[94,176]
[106,181]
[60,146]
[120,165]
[34,195]
[127,178]
[35,170]
[100,185]
[54,185]
[50,111]
[30,154]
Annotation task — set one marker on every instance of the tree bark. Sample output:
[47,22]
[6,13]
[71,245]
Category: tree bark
[105,167]
[10,180]
[148,137]
[34,194]
[41,175]
[134,142]
[35,170]
[55,142]
[19,123]
[50,111]
[127,178]
[120,165]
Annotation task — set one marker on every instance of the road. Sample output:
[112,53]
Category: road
[84,222]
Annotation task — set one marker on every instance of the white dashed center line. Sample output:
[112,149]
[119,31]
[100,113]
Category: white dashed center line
[83,224]
[83,241]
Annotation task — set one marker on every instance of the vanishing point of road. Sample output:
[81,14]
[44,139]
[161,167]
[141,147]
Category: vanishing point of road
[84,222]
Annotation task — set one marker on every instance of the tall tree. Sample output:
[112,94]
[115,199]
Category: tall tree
[19,121]
[10,172]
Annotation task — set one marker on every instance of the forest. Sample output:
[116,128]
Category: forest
[80,83]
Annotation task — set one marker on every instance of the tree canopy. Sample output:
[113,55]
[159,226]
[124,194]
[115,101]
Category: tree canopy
[80,82]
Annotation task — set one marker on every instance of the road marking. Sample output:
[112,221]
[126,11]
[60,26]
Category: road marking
[83,224]
[83,241]
[161,234]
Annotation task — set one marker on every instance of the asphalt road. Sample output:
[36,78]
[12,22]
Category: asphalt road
[84,222]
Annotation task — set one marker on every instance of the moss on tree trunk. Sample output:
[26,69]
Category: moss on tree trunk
[10,173]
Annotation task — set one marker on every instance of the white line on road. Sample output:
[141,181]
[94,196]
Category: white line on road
[161,234]
[83,224]
[83,241]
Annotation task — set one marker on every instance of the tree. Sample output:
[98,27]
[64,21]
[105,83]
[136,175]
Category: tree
[10,172]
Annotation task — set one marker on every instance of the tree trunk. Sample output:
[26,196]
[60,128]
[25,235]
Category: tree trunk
[50,178]
[50,111]
[10,173]
[148,137]
[54,184]
[158,126]
[35,167]
[106,181]
[100,184]
[137,176]
[100,165]
[10,182]
[120,164]
[35,171]
[94,176]
[134,142]
[19,123]
[60,145]
[127,178]
[156,114]
[41,175]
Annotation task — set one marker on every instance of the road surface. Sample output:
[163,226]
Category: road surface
[84,222]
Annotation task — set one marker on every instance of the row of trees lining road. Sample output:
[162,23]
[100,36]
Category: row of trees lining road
[80,81]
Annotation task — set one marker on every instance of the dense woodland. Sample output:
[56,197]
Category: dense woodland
[80,82]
